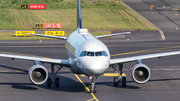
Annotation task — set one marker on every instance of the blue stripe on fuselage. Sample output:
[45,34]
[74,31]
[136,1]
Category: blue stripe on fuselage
[80,24]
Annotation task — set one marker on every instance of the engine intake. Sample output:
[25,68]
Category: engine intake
[140,73]
[38,74]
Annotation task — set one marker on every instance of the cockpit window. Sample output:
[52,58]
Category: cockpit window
[104,53]
[86,53]
[98,53]
[83,53]
[90,53]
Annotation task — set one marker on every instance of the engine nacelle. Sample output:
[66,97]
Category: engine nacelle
[140,73]
[38,74]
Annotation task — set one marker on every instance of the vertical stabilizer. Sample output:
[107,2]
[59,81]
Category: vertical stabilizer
[79,23]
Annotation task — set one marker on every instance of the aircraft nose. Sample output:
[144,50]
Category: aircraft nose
[97,65]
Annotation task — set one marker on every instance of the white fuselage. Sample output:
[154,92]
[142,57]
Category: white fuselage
[89,55]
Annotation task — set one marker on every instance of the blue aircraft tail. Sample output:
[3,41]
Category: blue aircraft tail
[79,23]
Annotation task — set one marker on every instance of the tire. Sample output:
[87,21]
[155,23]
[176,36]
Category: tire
[49,82]
[57,82]
[92,90]
[123,81]
[95,89]
[116,81]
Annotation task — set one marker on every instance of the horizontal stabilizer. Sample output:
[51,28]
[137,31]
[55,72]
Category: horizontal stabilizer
[57,37]
[102,36]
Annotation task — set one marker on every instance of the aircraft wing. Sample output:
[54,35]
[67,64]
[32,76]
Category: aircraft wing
[136,58]
[43,60]
[57,37]
[102,36]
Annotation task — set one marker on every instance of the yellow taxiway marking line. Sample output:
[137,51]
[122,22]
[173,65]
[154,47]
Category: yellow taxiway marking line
[60,70]
[113,69]
[168,69]
[154,69]
[94,97]
[4,71]
[18,71]
[110,74]
[175,9]
[125,69]
[147,50]
[123,74]
[107,74]
[24,55]
[143,45]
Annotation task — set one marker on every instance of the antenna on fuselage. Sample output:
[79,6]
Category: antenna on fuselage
[79,23]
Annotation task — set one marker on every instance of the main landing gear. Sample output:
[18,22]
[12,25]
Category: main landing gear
[92,86]
[54,80]
[121,76]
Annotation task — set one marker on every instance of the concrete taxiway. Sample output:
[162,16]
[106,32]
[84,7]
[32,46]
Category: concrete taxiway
[164,83]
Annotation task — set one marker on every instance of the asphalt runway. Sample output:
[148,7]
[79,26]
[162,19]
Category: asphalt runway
[164,84]
[163,18]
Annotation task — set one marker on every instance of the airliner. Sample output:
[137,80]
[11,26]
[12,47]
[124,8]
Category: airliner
[88,56]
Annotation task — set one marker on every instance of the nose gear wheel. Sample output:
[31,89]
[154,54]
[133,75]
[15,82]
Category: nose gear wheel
[92,86]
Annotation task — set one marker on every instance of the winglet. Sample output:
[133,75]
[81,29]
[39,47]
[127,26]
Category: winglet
[79,22]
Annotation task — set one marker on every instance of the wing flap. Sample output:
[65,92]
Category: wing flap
[45,60]
[135,58]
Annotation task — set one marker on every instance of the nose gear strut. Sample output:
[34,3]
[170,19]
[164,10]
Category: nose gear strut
[92,86]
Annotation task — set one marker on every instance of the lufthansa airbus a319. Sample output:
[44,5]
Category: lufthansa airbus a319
[88,56]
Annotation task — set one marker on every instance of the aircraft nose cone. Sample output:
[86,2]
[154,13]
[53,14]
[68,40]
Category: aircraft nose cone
[97,66]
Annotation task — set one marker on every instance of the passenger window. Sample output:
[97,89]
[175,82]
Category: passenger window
[90,53]
[104,53]
[98,53]
[83,53]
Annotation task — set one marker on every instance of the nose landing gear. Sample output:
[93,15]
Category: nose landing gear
[92,86]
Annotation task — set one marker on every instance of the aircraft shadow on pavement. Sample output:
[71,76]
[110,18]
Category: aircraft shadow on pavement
[163,80]
[158,80]
[119,86]
[13,68]
[66,84]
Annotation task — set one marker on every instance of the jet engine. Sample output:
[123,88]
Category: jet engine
[38,74]
[140,73]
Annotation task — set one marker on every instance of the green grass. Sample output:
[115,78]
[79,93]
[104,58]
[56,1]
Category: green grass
[107,14]
[11,36]
[62,4]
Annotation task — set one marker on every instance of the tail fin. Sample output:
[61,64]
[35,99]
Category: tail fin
[79,23]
